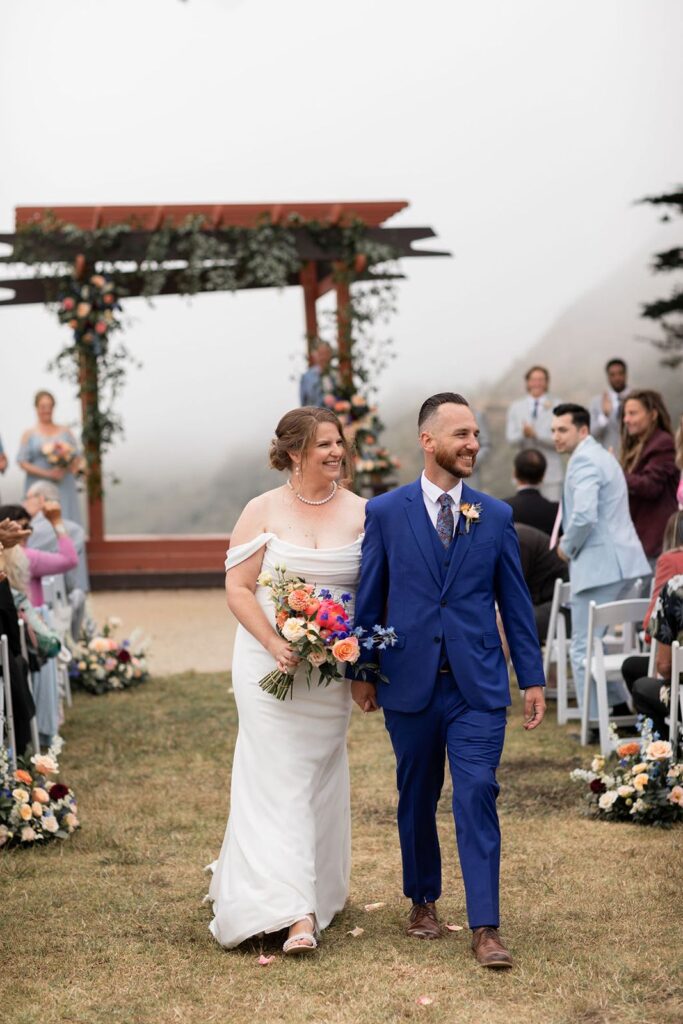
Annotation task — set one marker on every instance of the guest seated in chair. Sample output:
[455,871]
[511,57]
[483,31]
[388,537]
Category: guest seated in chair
[528,504]
[22,701]
[43,563]
[645,691]
[541,567]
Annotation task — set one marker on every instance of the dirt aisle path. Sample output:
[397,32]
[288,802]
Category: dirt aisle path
[190,630]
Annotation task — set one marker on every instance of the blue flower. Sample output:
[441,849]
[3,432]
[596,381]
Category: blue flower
[369,643]
[345,598]
[326,594]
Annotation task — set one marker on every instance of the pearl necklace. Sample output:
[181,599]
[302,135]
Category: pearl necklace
[307,501]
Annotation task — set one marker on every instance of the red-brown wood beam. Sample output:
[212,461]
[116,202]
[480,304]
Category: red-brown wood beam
[343,290]
[89,402]
[309,282]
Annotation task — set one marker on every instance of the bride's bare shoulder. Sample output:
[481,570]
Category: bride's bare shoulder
[353,500]
[255,515]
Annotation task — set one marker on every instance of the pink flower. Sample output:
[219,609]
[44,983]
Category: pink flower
[100,327]
[347,650]
[68,304]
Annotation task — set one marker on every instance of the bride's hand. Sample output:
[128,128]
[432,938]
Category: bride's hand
[287,660]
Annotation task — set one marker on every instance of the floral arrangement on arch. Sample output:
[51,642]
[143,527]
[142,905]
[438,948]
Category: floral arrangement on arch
[34,807]
[88,307]
[640,782]
[362,427]
[101,663]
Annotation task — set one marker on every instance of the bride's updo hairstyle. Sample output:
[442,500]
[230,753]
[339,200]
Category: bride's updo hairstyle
[296,432]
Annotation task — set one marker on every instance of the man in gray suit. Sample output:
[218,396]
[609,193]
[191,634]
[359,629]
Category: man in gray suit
[606,408]
[600,542]
[529,424]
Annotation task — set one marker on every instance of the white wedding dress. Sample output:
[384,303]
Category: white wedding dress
[287,846]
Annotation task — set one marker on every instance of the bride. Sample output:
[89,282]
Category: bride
[285,859]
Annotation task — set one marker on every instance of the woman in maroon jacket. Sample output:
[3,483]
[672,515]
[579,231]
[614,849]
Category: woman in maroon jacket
[648,458]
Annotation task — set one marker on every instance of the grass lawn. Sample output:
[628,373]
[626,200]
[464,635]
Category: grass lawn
[109,926]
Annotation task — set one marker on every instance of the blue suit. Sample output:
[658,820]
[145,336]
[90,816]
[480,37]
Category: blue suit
[448,682]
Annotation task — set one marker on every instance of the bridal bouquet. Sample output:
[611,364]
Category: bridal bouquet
[59,453]
[33,805]
[641,783]
[319,629]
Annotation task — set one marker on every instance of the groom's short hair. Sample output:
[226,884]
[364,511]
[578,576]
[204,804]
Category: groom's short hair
[432,404]
[579,414]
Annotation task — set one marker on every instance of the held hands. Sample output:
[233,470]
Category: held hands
[365,695]
[286,660]
[57,474]
[528,430]
[534,707]
[11,533]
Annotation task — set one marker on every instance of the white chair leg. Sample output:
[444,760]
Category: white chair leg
[603,706]
[561,671]
[9,709]
[587,693]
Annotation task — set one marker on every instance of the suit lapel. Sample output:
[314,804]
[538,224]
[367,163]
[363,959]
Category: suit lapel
[462,544]
[420,525]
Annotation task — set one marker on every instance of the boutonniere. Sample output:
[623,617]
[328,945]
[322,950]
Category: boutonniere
[471,513]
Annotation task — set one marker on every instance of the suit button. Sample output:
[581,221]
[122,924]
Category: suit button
[444,603]
[437,639]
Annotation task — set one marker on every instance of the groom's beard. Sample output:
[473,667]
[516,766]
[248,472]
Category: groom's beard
[446,460]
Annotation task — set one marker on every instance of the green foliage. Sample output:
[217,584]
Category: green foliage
[668,311]
[191,258]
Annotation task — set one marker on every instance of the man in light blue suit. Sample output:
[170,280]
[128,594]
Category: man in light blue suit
[437,557]
[599,541]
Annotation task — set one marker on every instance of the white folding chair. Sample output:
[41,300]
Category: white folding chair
[35,738]
[598,665]
[675,696]
[6,708]
[616,643]
[557,651]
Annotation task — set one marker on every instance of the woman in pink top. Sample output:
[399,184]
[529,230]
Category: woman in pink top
[43,563]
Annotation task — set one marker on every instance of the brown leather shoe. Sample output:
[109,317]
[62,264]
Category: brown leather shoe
[488,948]
[423,922]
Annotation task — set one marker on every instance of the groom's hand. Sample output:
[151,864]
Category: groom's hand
[364,694]
[534,706]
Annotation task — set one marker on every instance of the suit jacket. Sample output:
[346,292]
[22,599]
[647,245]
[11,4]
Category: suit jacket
[401,585]
[531,508]
[599,536]
[652,486]
[311,387]
[607,431]
[540,565]
[518,415]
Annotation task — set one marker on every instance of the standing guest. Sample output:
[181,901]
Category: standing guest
[600,542]
[646,690]
[649,460]
[317,381]
[606,408]
[679,461]
[529,423]
[541,567]
[528,504]
[41,461]
[43,563]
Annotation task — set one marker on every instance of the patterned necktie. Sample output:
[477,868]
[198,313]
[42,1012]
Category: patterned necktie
[534,414]
[445,521]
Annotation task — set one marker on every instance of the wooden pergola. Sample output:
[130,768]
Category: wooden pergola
[183,560]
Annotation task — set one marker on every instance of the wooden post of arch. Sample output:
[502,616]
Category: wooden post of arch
[87,378]
[344,274]
[308,277]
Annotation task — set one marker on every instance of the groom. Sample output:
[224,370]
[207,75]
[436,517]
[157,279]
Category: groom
[437,557]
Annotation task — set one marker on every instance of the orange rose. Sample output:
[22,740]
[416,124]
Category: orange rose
[312,607]
[21,776]
[628,749]
[347,650]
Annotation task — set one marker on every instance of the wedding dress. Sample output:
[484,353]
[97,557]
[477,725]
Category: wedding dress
[287,846]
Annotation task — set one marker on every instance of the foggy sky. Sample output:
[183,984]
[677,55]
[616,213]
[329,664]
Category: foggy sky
[522,132]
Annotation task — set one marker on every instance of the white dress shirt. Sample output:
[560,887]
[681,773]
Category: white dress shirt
[431,494]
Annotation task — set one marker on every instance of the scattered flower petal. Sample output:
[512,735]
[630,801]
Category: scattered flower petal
[356,932]
[265,960]
[455,927]
[369,907]
[424,1000]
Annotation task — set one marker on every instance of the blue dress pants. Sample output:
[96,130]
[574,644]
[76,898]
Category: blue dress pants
[473,742]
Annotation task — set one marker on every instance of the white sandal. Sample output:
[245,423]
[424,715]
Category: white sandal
[302,942]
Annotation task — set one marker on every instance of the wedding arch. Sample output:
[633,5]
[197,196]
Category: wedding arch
[86,260]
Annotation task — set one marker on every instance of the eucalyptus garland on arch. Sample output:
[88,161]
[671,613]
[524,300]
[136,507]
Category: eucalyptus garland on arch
[196,259]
